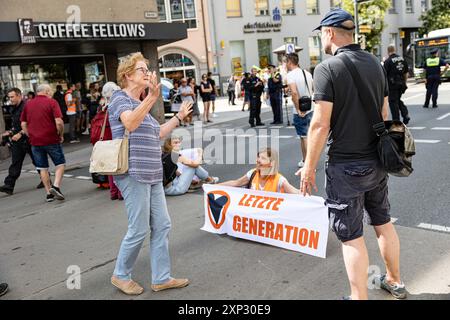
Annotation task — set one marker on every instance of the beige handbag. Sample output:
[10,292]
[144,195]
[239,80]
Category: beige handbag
[110,157]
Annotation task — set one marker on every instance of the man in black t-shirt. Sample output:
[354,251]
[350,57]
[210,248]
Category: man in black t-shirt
[356,180]
[397,74]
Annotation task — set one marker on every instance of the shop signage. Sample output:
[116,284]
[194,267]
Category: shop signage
[261,27]
[57,31]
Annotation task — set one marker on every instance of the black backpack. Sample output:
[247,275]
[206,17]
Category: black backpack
[169,168]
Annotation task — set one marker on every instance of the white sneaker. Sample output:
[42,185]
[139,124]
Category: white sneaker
[215,180]
[86,133]
[301,164]
[214,115]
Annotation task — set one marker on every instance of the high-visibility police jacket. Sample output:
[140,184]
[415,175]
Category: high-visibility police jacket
[433,67]
[70,103]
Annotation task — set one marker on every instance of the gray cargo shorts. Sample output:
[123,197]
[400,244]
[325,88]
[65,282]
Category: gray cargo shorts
[356,192]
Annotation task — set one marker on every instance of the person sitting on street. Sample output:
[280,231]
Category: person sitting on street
[187,169]
[265,177]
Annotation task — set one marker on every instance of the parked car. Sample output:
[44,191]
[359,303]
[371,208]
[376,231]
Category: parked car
[166,87]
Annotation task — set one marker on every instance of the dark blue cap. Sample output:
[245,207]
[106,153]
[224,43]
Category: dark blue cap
[335,18]
[434,51]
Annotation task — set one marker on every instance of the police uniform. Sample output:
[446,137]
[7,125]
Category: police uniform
[396,67]
[433,76]
[275,93]
[255,100]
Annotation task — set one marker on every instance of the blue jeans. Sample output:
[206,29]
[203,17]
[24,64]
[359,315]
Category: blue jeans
[182,183]
[147,210]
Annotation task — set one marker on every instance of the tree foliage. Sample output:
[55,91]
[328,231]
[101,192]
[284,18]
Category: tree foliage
[370,14]
[438,17]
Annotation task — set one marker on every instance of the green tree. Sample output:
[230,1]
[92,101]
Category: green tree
[370,14]
[438,17]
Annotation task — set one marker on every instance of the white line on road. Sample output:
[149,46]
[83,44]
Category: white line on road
[427,141]
[441,128]
[83,178]
[413,97]
[434,227]
[444,116]
[417,128]
[68,176]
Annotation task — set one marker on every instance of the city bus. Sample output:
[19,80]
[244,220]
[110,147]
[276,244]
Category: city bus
[422,48]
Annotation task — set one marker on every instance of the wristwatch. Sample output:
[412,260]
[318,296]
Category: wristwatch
[179,120]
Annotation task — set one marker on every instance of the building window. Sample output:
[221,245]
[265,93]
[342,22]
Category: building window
[265,52]
[237,54]
[336,3]
[261,7]
[312,6]
[424,5]
[409,6]
[293,40]
[178,10]
[162,10]
[288,7]
[393,39]
[393,8]
[315,55]
[234,8]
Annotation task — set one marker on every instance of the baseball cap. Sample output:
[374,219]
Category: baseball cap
[335,18]
[434,51]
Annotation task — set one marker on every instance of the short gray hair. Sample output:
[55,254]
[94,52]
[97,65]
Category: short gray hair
[108,89]
[43,88]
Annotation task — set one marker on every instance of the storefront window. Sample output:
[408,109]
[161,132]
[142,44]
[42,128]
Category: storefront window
[312,7]
[288,7]
[234,8]
[261,7]
[176,66]
[265,52]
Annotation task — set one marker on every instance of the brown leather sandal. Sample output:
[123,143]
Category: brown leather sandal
[131,288]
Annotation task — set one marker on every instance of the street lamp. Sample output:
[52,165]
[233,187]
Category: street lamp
[355,3]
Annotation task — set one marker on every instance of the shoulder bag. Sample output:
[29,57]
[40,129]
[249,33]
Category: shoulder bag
[395,145]
[305,102]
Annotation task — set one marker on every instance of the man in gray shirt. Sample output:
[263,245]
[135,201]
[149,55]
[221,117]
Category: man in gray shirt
[357,183]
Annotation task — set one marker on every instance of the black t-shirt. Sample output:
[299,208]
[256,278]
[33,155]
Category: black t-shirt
[256,90]
[213,85]
[396,67]
[352,137]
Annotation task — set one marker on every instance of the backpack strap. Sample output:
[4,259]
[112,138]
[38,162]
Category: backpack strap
[249,184]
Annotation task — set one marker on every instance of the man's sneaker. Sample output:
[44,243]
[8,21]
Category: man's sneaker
[214,115]
[3,288]
[7,190]
[435,106]
[57,193]
[75,141]
[50,198]
[398,291]
[86,132]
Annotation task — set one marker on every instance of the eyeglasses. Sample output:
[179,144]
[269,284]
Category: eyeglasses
[144,71]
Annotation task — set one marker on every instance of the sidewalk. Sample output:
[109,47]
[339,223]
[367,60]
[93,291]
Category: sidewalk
[39,241]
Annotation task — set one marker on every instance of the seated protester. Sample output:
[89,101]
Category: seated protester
[265,177]
[187,170]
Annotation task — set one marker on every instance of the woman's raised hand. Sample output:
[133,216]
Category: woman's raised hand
[185,109]
[154,88]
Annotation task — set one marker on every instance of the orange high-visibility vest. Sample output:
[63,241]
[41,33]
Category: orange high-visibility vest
[271,183]
[71,105]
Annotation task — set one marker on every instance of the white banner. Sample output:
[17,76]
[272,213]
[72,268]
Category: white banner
[283,220]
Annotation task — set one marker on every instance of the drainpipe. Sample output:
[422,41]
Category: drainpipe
[204,32]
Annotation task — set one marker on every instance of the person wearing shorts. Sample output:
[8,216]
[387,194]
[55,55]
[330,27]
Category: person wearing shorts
[42,122]
[357,182]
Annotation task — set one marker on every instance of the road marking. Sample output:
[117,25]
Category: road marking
[428,141]
[277,127]
[83,178]
[68,176]
[444,116]
[441,128]
[417,128]
[413,97]
[434,227]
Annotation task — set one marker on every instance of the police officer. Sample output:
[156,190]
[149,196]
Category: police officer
[275,84]
[433,76]
[20,145]
[397,73]
[256,90]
